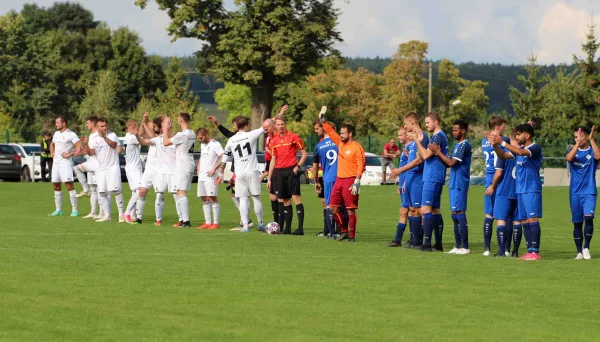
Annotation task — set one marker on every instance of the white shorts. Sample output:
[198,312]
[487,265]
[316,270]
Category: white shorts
[109,181]
[183,180]
[147,179]
[62,173]
[91,178]
[134,178]
[91,165]
[207,187]
[247,184]
[164,183]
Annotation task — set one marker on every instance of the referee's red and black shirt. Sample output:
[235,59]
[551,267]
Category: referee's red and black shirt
[284,148]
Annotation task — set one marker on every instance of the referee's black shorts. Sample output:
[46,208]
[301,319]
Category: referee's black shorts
[286,183]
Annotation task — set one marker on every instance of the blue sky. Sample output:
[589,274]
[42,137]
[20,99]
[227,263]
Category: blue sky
[504,31]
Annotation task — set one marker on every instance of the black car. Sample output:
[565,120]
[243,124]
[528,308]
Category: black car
[10,163]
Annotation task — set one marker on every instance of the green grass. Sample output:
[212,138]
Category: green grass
[70,279]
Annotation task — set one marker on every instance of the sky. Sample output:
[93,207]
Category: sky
[501,31]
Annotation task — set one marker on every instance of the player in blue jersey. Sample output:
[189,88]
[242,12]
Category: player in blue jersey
[413,172]
[434,178]
[505,205]
[493,175]
[401,190]
[583,161]
[326,154]
[528,184]
[460,174]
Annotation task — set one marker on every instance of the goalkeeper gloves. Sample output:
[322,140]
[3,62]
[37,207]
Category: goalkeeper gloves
[355,188]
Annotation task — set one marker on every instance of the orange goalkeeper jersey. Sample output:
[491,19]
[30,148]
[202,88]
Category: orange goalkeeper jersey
[351,156]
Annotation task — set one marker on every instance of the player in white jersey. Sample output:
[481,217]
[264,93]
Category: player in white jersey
[146,131]
[108,175]
[65,144]
[208,190]
[90,166]
[242,148]
[184,164]
[165,169]
[133,168]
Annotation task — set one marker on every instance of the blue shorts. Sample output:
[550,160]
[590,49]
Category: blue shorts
[458,199]
[582,205]
[530,206]
[414,189]
[405,199]
[505,209]
[327,188]
[432,192]
[488,203]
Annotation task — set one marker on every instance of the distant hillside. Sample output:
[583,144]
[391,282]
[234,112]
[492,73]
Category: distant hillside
[498,77]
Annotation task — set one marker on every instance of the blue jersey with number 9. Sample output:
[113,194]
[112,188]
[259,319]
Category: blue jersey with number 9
[326,153]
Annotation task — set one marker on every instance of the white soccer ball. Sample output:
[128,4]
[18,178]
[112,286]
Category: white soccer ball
[272,228]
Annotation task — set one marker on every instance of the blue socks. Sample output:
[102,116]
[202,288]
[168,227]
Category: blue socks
[427,229]
[517,235]
[399,232]
[588,230]
[578,236]
[416,223]
[508,239]
[501,235]
[487,232]
[536,233]
[457,243]
[463,229]
[527,234]
[438,228]
[329,222]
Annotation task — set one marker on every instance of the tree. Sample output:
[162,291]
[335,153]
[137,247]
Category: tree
[405,86]
[589,67]
[235,99]
[101,101]
[260,43]
[527,104]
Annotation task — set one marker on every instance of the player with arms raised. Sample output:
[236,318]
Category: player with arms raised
[242,148]
[583,161]
[351,165]
[90,166]
[184,163]
[133,168]
[65,144]
[147,130]
[108,175]
[528,185]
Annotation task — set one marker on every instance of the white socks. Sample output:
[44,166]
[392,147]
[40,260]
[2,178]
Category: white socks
[245,210]
[178,207]
[207,213]
[258,208]
[105,201]
[58,200]
[132,202]
[236,201]
[159,205]
[182,202]
[82,179]
[120,202]
[73,199]
[216,209]
[93,199]
[141,202]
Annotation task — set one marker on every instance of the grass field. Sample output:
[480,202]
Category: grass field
[70,279]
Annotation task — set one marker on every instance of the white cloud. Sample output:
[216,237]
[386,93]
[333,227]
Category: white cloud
[561,31]
[504,31]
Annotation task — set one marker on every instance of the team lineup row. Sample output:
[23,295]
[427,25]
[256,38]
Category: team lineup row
[513,194]
[513,197]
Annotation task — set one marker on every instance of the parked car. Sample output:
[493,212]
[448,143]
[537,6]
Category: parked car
[10,163]
[30,163]
[372,174]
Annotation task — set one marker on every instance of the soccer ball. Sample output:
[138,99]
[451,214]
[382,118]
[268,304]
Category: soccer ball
[272,228]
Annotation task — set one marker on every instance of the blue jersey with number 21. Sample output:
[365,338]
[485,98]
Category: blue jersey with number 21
[326,153]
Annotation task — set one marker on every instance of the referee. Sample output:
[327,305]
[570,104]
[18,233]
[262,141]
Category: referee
[284,177]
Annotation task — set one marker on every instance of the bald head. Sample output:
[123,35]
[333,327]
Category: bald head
[269,126]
